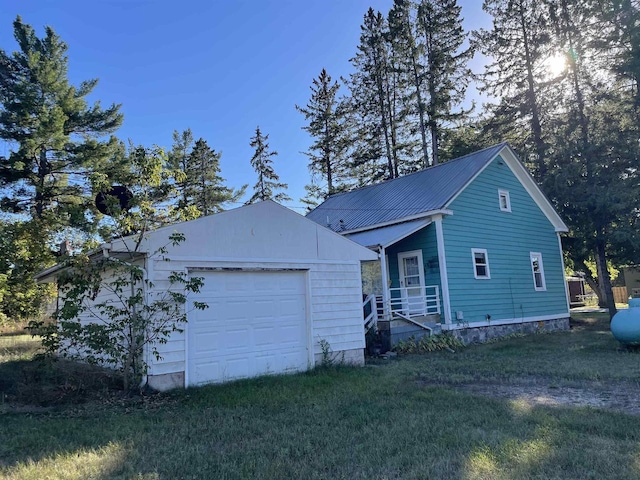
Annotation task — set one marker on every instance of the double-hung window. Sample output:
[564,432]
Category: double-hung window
[538,271]
[480,263]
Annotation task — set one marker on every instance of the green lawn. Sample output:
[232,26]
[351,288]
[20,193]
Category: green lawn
[409,417]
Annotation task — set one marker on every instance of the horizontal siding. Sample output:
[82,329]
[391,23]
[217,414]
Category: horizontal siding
[508,237]
[335,306]
[424,240]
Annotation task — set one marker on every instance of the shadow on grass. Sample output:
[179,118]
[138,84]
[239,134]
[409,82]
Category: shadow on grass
[346,423]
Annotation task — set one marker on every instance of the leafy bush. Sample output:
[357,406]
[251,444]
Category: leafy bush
[432,343]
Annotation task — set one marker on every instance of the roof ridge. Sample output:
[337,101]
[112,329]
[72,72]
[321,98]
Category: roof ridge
[430,167]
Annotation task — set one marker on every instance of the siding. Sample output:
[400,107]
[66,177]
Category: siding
[334,304]
[508,237]
[424,240]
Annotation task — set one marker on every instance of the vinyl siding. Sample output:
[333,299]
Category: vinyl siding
[424,240]
[334,305]
[508,237]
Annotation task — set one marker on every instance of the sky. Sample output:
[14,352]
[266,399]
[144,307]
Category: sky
[218,67]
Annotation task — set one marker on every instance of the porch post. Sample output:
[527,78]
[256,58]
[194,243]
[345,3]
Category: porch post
[442,261]
[385,283]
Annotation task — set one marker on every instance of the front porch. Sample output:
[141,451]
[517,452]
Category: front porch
[406,312]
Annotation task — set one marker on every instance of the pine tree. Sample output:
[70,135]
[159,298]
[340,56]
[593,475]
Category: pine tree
[58,135]
[371,96]
[57,153]
[195,169]
[447,74]
[326,125]
[262,163]
[518,44]
[409,61]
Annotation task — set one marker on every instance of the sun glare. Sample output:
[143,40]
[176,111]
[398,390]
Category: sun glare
[555,64]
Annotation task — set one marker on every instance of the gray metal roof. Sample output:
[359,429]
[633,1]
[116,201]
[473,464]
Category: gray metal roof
[386,236]
[424,191]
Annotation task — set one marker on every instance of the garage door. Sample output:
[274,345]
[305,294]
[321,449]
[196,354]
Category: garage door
[255,324]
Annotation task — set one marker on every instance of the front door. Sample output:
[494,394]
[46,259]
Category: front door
[411,269]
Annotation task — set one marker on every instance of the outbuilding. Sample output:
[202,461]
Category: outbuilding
[281,290]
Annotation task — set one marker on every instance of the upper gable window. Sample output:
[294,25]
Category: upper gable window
[538,271]
[504,200]
[480,263]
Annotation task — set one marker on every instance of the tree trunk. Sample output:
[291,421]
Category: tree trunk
[604,280]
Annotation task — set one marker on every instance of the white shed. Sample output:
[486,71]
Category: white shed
[278,286]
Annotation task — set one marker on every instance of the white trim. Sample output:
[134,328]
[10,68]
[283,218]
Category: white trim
[250,260]
[384,272]
[311,356]
[401,275]
[506,321]
[473,263]
[442,263]
[408,218]
[507,200]
[543,288]
[564,278]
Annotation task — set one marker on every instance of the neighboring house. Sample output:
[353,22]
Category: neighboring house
[471,245]
[632,280]
[279,288]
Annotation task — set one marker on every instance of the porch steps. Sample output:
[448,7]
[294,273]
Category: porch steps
[430,323]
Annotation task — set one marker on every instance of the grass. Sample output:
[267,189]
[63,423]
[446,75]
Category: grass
[407,418]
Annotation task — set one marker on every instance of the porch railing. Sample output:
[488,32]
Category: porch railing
[405,302]
[414,301]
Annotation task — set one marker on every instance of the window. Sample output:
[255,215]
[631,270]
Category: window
[538,271]
[504,200]
[480,263]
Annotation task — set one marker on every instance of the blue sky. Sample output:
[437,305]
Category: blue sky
[220,67]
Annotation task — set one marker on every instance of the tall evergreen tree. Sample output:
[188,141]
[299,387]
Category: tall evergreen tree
[200,188]
[56,150]
[371,97]
[409,54]
[327,154]
[518,44]
[447,74]
[58,135]
[262,163]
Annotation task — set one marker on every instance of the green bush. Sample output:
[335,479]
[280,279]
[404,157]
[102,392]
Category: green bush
[432,343]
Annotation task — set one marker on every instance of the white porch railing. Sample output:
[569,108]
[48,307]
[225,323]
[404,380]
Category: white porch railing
[403,302]
[370,320]
[414,301]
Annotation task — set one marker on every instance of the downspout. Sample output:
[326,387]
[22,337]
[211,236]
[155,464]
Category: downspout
[442,262]
[385,284]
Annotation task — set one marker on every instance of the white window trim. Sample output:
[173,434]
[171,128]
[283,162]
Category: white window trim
[473,263]
[504,193]
[543,288]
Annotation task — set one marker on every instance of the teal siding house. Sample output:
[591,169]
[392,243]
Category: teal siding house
[471,246]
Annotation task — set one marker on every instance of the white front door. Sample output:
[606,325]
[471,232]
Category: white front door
[411,268]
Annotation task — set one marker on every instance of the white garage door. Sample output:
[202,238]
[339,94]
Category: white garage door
[255,324]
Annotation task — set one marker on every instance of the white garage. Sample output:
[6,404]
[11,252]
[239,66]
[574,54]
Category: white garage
[277,286]
[256,324]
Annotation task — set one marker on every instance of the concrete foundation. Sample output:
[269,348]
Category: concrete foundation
[347,357]
[167,381]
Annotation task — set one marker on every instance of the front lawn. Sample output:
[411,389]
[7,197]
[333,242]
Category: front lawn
[443,415]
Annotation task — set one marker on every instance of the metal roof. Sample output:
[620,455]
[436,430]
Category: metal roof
[386,236]
[425,191]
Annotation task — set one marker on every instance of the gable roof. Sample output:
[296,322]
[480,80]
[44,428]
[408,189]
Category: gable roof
[421,194]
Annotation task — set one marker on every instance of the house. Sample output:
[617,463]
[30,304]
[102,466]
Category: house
[632,280]
[470,246]
[279,287]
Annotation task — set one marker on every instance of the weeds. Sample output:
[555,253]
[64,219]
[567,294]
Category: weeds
[431,343]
